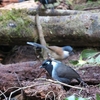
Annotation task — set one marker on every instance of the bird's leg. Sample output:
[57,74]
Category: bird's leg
[82,83]
[49,56]
[44,6]
[65,88]
[53,7]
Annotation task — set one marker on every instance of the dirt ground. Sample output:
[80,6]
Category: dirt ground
[42,88]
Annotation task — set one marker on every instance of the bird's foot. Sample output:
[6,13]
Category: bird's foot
[83,84]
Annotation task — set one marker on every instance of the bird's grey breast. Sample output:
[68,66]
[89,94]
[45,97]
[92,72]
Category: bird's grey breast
[58,72]
[66,72]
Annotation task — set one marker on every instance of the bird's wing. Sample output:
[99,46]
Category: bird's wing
[64,71]
[56,49]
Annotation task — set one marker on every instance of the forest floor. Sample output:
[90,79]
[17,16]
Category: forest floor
[19,54]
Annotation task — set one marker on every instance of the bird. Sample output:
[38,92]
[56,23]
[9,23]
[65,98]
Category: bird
[55,52]
[61,72]
[44,2]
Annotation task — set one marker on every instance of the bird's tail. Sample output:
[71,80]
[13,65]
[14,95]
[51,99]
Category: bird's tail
[36,45]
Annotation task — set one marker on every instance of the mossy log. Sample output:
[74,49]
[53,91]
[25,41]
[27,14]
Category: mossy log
[17,27]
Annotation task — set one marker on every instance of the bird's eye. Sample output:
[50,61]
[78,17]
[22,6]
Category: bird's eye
[47,63]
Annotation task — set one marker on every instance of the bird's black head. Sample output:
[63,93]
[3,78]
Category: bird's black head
[47,64]
[69,49]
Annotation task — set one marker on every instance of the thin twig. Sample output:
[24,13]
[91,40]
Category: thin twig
[66,84]
[13,93]
[59,97]
[22,88]
[9,89]
[49,93]
[58,82]
[3,95]
[48,80]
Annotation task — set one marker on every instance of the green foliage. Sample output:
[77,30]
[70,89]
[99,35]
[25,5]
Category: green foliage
[90,1]
[12,14]
[69,2]
[75,98]
[97,97]
[86,5]
[19,18]
[78,62]
[87,56]
[97,59]
[88,53]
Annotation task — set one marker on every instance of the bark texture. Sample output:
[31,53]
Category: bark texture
[81,29]
[14,75]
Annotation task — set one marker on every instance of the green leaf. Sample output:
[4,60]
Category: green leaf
[87,56]
[91,60]
[78,62]
[87,53]
[80,58]
[74,62]
[97,97]
[80,98]
[69,2]
[72,97]
[97,59]
[81,62]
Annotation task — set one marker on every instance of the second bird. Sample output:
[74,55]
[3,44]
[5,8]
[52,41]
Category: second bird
[58,53]
[47,2]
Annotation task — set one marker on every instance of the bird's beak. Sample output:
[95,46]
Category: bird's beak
[72,53]
[41,66]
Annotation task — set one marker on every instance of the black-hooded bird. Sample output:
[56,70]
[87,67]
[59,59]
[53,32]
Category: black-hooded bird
[58,53]
[61,72]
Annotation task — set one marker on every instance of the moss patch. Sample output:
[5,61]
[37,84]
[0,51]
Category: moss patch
[15,21]
[86,5]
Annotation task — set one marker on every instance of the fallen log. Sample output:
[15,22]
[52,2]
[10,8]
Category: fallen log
[12,75]
[76,30]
